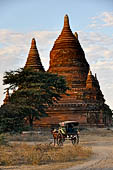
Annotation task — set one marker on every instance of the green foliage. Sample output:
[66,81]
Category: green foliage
[11,119]
[34,92]
[3,140]
[28,78]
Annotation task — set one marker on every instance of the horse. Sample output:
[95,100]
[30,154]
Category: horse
[58,137]
[55,135]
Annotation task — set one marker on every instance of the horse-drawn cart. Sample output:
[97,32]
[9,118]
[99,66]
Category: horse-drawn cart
[68,130]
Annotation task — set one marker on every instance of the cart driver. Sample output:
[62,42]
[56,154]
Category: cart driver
[62,129]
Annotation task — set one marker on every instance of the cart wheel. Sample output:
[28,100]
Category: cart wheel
[74,141]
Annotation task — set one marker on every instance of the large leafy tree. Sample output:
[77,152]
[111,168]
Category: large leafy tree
[34,91]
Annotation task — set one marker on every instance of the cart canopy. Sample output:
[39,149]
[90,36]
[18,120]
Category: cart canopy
[64,123]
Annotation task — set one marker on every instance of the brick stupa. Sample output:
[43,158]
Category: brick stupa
[33,60]
[85,100]
[67,58]
[7,98]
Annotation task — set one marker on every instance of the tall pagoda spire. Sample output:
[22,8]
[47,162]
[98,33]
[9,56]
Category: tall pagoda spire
[33,60]
[67,58]
[66,36]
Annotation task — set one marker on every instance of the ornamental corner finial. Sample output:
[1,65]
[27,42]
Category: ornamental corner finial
[76,35]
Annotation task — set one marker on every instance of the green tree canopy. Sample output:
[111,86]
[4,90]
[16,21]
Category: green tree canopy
[34,91]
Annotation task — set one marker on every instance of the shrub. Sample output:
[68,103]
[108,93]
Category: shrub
[3,139]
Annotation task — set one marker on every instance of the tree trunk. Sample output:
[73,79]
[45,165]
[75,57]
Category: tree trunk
[31,122]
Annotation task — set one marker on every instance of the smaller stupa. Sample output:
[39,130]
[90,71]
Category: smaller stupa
[7,98]
[91,81]
[33,60]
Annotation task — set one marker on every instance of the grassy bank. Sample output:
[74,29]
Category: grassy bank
[41,154]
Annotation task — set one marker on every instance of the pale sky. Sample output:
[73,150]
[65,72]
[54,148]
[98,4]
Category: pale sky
[21,20]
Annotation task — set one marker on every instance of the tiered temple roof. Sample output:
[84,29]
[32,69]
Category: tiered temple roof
[67,57]
[33,60]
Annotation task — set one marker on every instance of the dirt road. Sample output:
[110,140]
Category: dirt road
[101,142]
[102,146]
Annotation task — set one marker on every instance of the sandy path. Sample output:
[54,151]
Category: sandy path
[102,158]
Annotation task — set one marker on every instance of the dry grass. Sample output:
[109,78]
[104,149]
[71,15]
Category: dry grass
[40,154]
